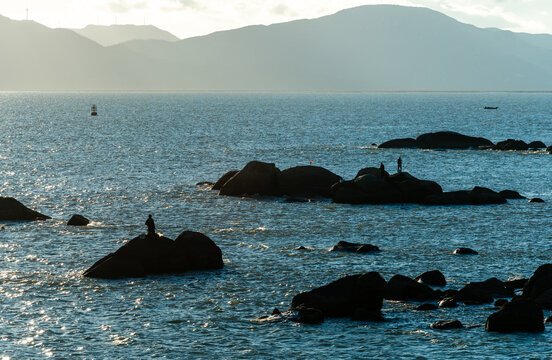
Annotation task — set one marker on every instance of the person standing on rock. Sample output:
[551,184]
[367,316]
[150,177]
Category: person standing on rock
[382,170]
[399,164]
[151,226]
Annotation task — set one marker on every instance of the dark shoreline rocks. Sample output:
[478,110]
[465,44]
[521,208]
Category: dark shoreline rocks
[150,255]
[13,210]
[354,247]
[519,315]
[450,140]
[432,278]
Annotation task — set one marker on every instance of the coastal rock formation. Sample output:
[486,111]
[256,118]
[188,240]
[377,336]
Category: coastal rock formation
[450,140]
[405,143]
[511,194]
[78,220]
[354,247]
[539,287]
[349,296]
[465,251]
[403,288]
[511,144]
[536,200]
[145,255]
[519,315]
[13,210]
[256,178]
[433,278]
[224,178]
[307,181]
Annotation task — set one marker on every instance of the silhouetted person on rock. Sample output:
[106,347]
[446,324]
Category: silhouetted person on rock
[151,227]
[382,170]
[399,164]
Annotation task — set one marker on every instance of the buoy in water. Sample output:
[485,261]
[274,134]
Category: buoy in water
[94,111]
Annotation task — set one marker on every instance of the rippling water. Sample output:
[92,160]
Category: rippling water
[145,152]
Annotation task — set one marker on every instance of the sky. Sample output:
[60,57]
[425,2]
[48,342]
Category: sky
[187,18]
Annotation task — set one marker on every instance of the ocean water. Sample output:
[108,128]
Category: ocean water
[144,154]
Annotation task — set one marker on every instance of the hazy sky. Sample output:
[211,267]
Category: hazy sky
[186,18]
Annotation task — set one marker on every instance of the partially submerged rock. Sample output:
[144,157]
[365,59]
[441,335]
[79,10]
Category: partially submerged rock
[433,278]
[536,145]
[13,210]
[477,196]
[78,220]
[256,178]
[464,251]
[450,140]
[519,315]
[446,325]
[224,178]
[151,255]
[403,288]
[483,291]
[345,297]
[354,247]
[405,143]
[536,200]
[511,144]
[539,287]
[426,307]
[511,194]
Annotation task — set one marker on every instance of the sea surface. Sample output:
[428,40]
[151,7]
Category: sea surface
[144,154]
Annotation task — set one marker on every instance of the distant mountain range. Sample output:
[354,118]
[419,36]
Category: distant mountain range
[116,34]
[368,48]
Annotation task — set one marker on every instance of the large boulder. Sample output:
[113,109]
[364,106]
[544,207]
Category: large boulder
[374,171]
[403,288]
[78,220]
[450,140]
[13,210]
[511,144]
[405,143]
[536,145]
[519,315]
[484,291]
[476,196]
[346,297]
[256,178]
[539,287]
[511,194]
[433,278]
[307,181]
[366,189]
[148,255]
[224,178]
[414,190]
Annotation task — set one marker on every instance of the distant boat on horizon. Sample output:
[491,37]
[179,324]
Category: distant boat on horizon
[94,111]
[491,107]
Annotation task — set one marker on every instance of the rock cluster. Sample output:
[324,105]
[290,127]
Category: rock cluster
[454,140]
[370,186]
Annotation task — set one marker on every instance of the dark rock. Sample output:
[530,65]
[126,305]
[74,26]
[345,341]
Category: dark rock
[412,189]
[218,185]
[476,196]
[256,178]
[500,303]
[483,292]
[446,325]
[301,248]
[539,283]
[521,315]
[310,315]
[405,143]
[548,320]
[294,199]
[515,284]
[465,251]
[276,311]
[426,307]
[511,194]
[362,314]
[404,288]
[13,210]
[448,303]
[374,171]
[549,149]
[433,278]
[205,183]
[341,298]
[144,255]
[449,293]
[450,140]
[366,189]
[78,220]
[536,145]
[353,247]
[511,144]
[536,200]
[307,181]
